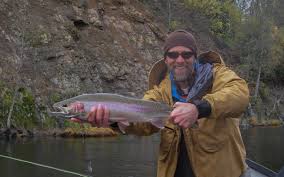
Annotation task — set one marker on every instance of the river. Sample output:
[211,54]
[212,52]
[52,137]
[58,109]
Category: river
[123,156]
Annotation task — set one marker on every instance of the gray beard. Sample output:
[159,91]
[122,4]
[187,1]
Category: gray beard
[181,78]
[187,76]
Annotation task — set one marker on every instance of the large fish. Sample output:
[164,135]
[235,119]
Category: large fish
[122,109]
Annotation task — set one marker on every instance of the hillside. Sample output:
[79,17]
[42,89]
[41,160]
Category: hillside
[62,48]
[82,46]
[77,46]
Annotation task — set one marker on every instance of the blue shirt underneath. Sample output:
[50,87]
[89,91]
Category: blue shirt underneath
[183,168]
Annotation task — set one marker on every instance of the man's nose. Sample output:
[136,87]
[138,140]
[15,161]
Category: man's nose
[180,59]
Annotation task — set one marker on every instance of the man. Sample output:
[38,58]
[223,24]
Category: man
[202,136]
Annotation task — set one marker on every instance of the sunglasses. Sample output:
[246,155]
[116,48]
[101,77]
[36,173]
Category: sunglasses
[184,54]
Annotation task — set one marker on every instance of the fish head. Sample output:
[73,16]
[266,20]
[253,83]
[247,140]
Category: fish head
[68,105]
[62,106]
[66,113]
[61,115]
[65,109]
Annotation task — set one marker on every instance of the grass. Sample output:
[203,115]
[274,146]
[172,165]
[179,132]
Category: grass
[269,122]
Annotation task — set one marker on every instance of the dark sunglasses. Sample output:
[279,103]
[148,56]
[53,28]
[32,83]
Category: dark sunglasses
[184,54]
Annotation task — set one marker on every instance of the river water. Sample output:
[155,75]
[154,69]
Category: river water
[123,156]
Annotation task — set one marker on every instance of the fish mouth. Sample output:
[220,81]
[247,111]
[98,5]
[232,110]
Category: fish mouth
[58,109]
[62,115]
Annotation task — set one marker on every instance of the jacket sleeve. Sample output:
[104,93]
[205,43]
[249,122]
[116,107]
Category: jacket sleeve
[229,96]
[144,129]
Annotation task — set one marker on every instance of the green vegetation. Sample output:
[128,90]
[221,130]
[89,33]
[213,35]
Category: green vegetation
[254,31]
[224,16]
[25,112]
[22,111]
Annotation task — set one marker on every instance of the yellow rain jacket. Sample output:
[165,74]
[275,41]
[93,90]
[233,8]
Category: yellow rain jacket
[215,148]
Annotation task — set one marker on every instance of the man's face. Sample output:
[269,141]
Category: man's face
[180,60]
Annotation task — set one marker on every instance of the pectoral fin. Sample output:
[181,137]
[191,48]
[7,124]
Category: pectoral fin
[159,123]
[122,126]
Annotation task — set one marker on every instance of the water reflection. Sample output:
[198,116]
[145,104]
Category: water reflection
[123,156]
[114,157]
[265,146]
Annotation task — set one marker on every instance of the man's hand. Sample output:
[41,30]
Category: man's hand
[99,115]
[184,114]
[77,107]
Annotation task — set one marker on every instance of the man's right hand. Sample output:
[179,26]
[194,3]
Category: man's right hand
[98,116]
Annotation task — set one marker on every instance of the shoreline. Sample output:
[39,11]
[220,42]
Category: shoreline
[85,132]
[14,133]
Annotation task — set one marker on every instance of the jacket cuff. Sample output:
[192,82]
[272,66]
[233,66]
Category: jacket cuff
[203,107]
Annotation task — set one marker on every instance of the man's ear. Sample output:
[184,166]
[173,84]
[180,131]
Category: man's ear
[165,60]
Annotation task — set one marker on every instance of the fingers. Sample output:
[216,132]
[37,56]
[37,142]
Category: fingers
[92,116]
[178,104]
[99,115]
[185,123]
[179,118]
[76,120]
[176,114]
[184,114]
[77,107]
[182,120]
[105,117]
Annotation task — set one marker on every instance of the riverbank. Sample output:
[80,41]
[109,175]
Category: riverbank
[74,130]
[84,132]
[81,132]
[266,123]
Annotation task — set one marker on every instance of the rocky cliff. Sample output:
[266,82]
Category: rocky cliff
[85,46]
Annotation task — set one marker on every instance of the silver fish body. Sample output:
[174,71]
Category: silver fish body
[121,108]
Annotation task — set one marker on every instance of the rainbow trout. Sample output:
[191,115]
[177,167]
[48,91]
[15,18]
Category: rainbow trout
[122,109]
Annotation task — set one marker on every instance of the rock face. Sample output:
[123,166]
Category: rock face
[78,46]
[69,47]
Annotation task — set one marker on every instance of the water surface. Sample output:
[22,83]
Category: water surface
[265,145]
[123,156]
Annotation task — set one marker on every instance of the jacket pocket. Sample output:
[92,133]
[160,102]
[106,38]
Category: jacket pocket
[167,139]
[209,143]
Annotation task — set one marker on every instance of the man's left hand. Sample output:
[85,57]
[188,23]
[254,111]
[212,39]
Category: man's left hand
[184,114]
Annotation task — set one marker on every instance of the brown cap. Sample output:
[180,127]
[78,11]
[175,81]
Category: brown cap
[180,38]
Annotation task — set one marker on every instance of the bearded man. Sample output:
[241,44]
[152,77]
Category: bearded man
[202,137]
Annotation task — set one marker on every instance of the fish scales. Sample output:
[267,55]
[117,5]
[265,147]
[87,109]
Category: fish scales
[127,107]
[105,98]
[132,109]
